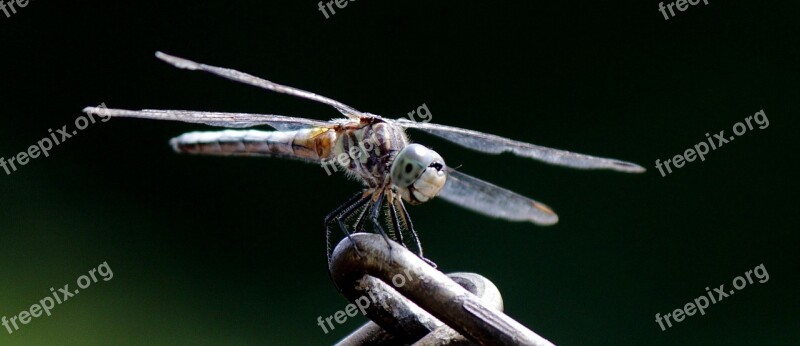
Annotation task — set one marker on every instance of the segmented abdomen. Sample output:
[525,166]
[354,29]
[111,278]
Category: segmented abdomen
[311,145]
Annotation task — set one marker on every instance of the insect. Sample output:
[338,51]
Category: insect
[393,170]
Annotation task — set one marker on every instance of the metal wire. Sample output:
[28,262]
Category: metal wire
[415,303]
[372,334]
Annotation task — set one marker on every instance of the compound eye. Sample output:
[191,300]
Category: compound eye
[410,162]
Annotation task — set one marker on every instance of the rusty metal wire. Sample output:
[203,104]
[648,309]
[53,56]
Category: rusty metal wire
[413,303]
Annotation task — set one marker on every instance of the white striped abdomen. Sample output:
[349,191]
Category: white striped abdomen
[311,145]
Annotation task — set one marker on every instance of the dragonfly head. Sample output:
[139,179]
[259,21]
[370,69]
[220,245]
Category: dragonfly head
[418,173]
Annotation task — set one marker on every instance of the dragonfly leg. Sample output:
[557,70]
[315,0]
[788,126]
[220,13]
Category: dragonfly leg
[342,213]
[376,208]
[395,221]
[359,227]
[412,231]
[360,221]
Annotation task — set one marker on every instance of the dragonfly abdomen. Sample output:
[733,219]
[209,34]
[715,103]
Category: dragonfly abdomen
[313,144]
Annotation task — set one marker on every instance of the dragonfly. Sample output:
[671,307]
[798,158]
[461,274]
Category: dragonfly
[393,170]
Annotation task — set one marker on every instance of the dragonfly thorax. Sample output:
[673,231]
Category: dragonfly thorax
[366,150]
[380,155]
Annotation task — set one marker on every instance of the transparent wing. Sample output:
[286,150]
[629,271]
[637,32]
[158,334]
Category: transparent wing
[493,144]
[232,120]
[245,78]
[491,200]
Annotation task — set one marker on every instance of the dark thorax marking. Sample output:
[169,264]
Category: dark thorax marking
[372,145]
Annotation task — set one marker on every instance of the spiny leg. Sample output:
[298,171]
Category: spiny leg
[376,208]
[359,224]
[395,220]
[361,219]
[412,231]
[410,225]
[340,213]
[346,214]
[343,208]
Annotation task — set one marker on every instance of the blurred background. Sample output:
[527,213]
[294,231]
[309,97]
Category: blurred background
[210,250]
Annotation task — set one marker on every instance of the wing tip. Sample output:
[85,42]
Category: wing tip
[550,218]
[628,167]
[176,61]
[97,111]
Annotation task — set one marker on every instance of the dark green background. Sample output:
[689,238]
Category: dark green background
[209,250]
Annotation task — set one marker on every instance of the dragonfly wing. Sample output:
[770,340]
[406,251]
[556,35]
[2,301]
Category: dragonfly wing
[232,120]
[492,144]
[491,200]
[245,78]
